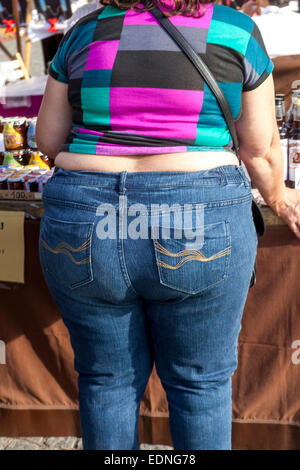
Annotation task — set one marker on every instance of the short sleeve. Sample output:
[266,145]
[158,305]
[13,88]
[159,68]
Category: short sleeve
[257,63]
[57,68]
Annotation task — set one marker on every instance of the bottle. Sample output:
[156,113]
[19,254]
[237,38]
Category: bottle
[31,139]
[294,147]
[281,97]
[2,146]
[283,135]
[289,124]
[290,113]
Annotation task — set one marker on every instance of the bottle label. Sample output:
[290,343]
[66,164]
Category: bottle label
[284,150]
[294,157]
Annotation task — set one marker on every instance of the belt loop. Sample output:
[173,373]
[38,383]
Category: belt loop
[122,188]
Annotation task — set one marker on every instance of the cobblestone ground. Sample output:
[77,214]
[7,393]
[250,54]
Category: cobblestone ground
[55,443]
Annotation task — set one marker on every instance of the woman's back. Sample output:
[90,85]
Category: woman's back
[133,91]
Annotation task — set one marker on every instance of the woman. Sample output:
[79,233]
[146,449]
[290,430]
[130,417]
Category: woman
[147,241]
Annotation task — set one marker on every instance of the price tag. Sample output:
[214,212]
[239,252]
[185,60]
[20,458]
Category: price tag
[12,246]
[19,195]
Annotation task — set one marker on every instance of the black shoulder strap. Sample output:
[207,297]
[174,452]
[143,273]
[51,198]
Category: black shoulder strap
[202,69]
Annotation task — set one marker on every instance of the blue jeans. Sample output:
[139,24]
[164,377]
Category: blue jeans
[138,282]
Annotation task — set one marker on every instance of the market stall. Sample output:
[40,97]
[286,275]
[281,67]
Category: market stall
[38,384]
[36,20]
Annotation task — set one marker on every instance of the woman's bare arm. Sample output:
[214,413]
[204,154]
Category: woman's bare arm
[55,118]
[260,151]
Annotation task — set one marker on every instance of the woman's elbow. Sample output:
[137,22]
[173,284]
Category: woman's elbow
[45,148]
[262,147]
[255,151]
[45,144]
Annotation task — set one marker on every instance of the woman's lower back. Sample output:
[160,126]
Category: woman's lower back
[186,161]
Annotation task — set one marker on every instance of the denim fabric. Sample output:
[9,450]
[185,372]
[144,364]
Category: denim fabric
[128,301]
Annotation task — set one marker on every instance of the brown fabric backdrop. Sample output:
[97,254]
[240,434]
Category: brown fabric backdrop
[38,385]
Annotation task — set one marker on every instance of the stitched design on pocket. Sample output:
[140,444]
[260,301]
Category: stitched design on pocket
[190,255]
[194,269]
[65,248]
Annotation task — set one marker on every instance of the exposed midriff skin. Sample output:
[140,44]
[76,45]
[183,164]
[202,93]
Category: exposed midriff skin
[185,161]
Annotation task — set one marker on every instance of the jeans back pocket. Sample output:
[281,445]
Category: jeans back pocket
[65,251]
[194,267]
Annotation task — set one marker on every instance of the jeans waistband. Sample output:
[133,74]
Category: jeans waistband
[222,175]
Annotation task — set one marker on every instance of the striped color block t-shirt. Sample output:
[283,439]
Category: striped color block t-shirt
[133,91]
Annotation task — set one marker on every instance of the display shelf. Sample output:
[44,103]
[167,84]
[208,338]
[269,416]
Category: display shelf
[270,217]
[32,209]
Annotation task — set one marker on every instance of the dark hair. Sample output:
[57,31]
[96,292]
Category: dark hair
[171,7]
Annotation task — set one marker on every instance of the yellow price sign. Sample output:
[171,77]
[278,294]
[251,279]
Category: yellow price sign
[12,250]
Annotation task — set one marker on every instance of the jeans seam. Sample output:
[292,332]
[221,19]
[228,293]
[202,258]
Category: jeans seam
[228,202]
[123,265]
[120,241]
[217,183]
[211,204]
[60,202]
